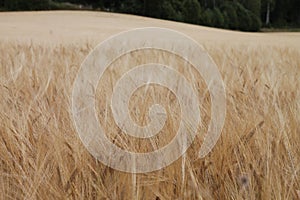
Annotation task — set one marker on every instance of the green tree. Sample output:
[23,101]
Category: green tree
[286,13]
[132,7]
[238,17]
[207,17]
[213,17]
[191,12]
[253,5]
[218,18]
[153,8]
[26,5]
[230,16]
[172,10]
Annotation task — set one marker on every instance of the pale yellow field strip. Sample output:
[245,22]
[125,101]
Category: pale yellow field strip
[76,26]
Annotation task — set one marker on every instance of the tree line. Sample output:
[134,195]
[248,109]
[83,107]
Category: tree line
[244,15]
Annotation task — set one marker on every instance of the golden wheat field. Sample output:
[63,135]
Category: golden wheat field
[42,157]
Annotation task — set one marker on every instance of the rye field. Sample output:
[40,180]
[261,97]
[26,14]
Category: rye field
[42,157]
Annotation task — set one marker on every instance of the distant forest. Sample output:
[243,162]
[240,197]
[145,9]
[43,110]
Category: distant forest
[244,15]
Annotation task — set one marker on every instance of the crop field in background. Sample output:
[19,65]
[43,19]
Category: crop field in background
[42,157]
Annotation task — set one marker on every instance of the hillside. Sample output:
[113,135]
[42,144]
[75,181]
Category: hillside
[72,26]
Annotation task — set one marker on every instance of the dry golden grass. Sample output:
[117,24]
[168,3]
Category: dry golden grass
[257,156]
